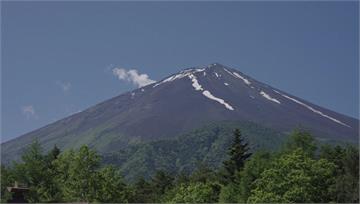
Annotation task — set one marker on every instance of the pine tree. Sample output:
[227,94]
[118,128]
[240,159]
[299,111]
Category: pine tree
[54,153]
[239,153]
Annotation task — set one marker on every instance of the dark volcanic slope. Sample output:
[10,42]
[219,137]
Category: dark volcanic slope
[184,101]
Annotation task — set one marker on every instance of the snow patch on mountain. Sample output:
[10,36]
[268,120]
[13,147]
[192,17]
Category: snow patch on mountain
[267,96]
[229,72]
[212,97]
[226,84]
[182,74]
[312,109]
[246,81]
[193,70]
[236,75]
[195,83]
[171,78]
[206,93]
[216,74]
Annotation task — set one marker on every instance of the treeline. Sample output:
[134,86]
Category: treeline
[299,172]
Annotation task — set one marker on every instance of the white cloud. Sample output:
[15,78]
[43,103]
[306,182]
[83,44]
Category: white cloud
[29,111]
[133,76]
[64,85]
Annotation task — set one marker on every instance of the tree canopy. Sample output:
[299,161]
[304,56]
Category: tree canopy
[299,172]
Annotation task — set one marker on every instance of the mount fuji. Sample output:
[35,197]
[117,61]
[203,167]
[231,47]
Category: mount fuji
[181,103]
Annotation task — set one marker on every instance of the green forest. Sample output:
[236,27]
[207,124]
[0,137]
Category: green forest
[301,171]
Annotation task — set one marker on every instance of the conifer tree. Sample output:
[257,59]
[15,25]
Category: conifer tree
[239,153]
[54,153]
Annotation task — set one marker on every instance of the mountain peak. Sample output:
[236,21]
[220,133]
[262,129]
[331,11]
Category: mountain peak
[205,67]
[215,69]
[184,101]
[210,81]
[213,66]
[216,64]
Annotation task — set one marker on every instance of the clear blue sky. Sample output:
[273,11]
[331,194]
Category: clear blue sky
[57,57]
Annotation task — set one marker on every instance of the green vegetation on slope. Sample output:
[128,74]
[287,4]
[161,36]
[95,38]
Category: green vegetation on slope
[182,154]
[297,172]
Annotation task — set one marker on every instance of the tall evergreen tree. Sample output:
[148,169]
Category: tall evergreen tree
[54,153]
[238,153]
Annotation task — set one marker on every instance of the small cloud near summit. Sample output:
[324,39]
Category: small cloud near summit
[133,76]
[29,111]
